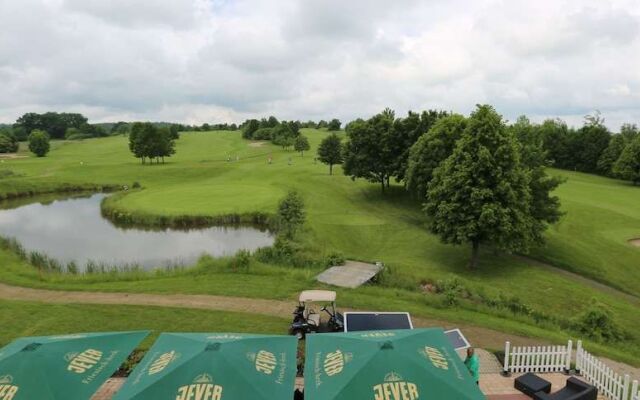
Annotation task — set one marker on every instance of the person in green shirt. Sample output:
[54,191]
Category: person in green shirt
[473,364]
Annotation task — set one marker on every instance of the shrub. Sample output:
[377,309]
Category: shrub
[452,291]
[241,261]
[8,144]
[39,143]
[598,324]
[291,214]
[136,185]
[286,252]
[334,259]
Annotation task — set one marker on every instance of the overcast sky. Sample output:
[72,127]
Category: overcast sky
[200,61]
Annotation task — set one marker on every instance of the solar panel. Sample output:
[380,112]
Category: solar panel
[372,321]
[457,339]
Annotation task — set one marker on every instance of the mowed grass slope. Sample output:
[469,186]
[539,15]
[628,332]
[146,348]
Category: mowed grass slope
[22,318]
[602,215]
[353,218]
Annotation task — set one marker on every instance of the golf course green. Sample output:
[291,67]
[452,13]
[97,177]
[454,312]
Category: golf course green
[587,256]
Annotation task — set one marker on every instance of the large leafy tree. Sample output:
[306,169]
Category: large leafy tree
[301,144]
[39,142]
[481,194]
[545,208]
[148,141]
[249,127]
[431,149]
[611,154]
[334,125]
[330,151]
[629,132]
[55,124]
[588,143]
[628,165]
[283,136]
[369,152]
[405,133]
[555,135]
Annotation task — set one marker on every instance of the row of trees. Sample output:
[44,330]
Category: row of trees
[282,131]
[57,126]
[591,148]
[148,141]
[481,180]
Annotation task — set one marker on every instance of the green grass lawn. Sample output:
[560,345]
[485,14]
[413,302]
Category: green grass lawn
[350,217]
[21,318]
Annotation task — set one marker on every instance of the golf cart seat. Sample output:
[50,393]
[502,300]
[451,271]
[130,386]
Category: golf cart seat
[314,319]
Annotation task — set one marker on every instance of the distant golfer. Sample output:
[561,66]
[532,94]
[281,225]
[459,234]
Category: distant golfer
[473,364]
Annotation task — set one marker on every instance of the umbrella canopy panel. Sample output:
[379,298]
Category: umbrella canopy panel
[386,365]
[212,366]
[66,367]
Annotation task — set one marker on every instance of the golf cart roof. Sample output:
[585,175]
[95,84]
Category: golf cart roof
[317,295]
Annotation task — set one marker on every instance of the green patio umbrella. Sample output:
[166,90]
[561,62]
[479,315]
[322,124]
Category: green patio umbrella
[65,367]
[386,365]
[215,366]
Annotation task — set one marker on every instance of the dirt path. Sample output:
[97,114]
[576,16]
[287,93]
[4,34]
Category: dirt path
[481,337]
[478,336]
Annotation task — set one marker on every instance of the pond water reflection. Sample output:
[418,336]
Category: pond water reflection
[73,229]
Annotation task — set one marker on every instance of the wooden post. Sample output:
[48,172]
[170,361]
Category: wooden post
[505,371]
[635,395]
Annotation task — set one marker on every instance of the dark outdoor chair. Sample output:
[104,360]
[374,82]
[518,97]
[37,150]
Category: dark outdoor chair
[575,390]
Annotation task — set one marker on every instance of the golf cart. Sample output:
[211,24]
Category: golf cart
[307,320]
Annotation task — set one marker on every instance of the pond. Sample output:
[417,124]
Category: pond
[73,229]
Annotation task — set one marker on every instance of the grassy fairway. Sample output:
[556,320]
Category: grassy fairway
[592,239]
[353,218]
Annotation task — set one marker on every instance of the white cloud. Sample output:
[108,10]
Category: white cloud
[208,61]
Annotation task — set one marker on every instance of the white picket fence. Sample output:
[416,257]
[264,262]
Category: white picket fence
[540,359]
[609,383]
[519,359]
[635,391]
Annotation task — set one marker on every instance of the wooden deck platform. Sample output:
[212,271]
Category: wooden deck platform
[350,275]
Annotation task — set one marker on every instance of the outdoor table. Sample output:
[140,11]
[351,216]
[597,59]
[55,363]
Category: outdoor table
[530,383]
